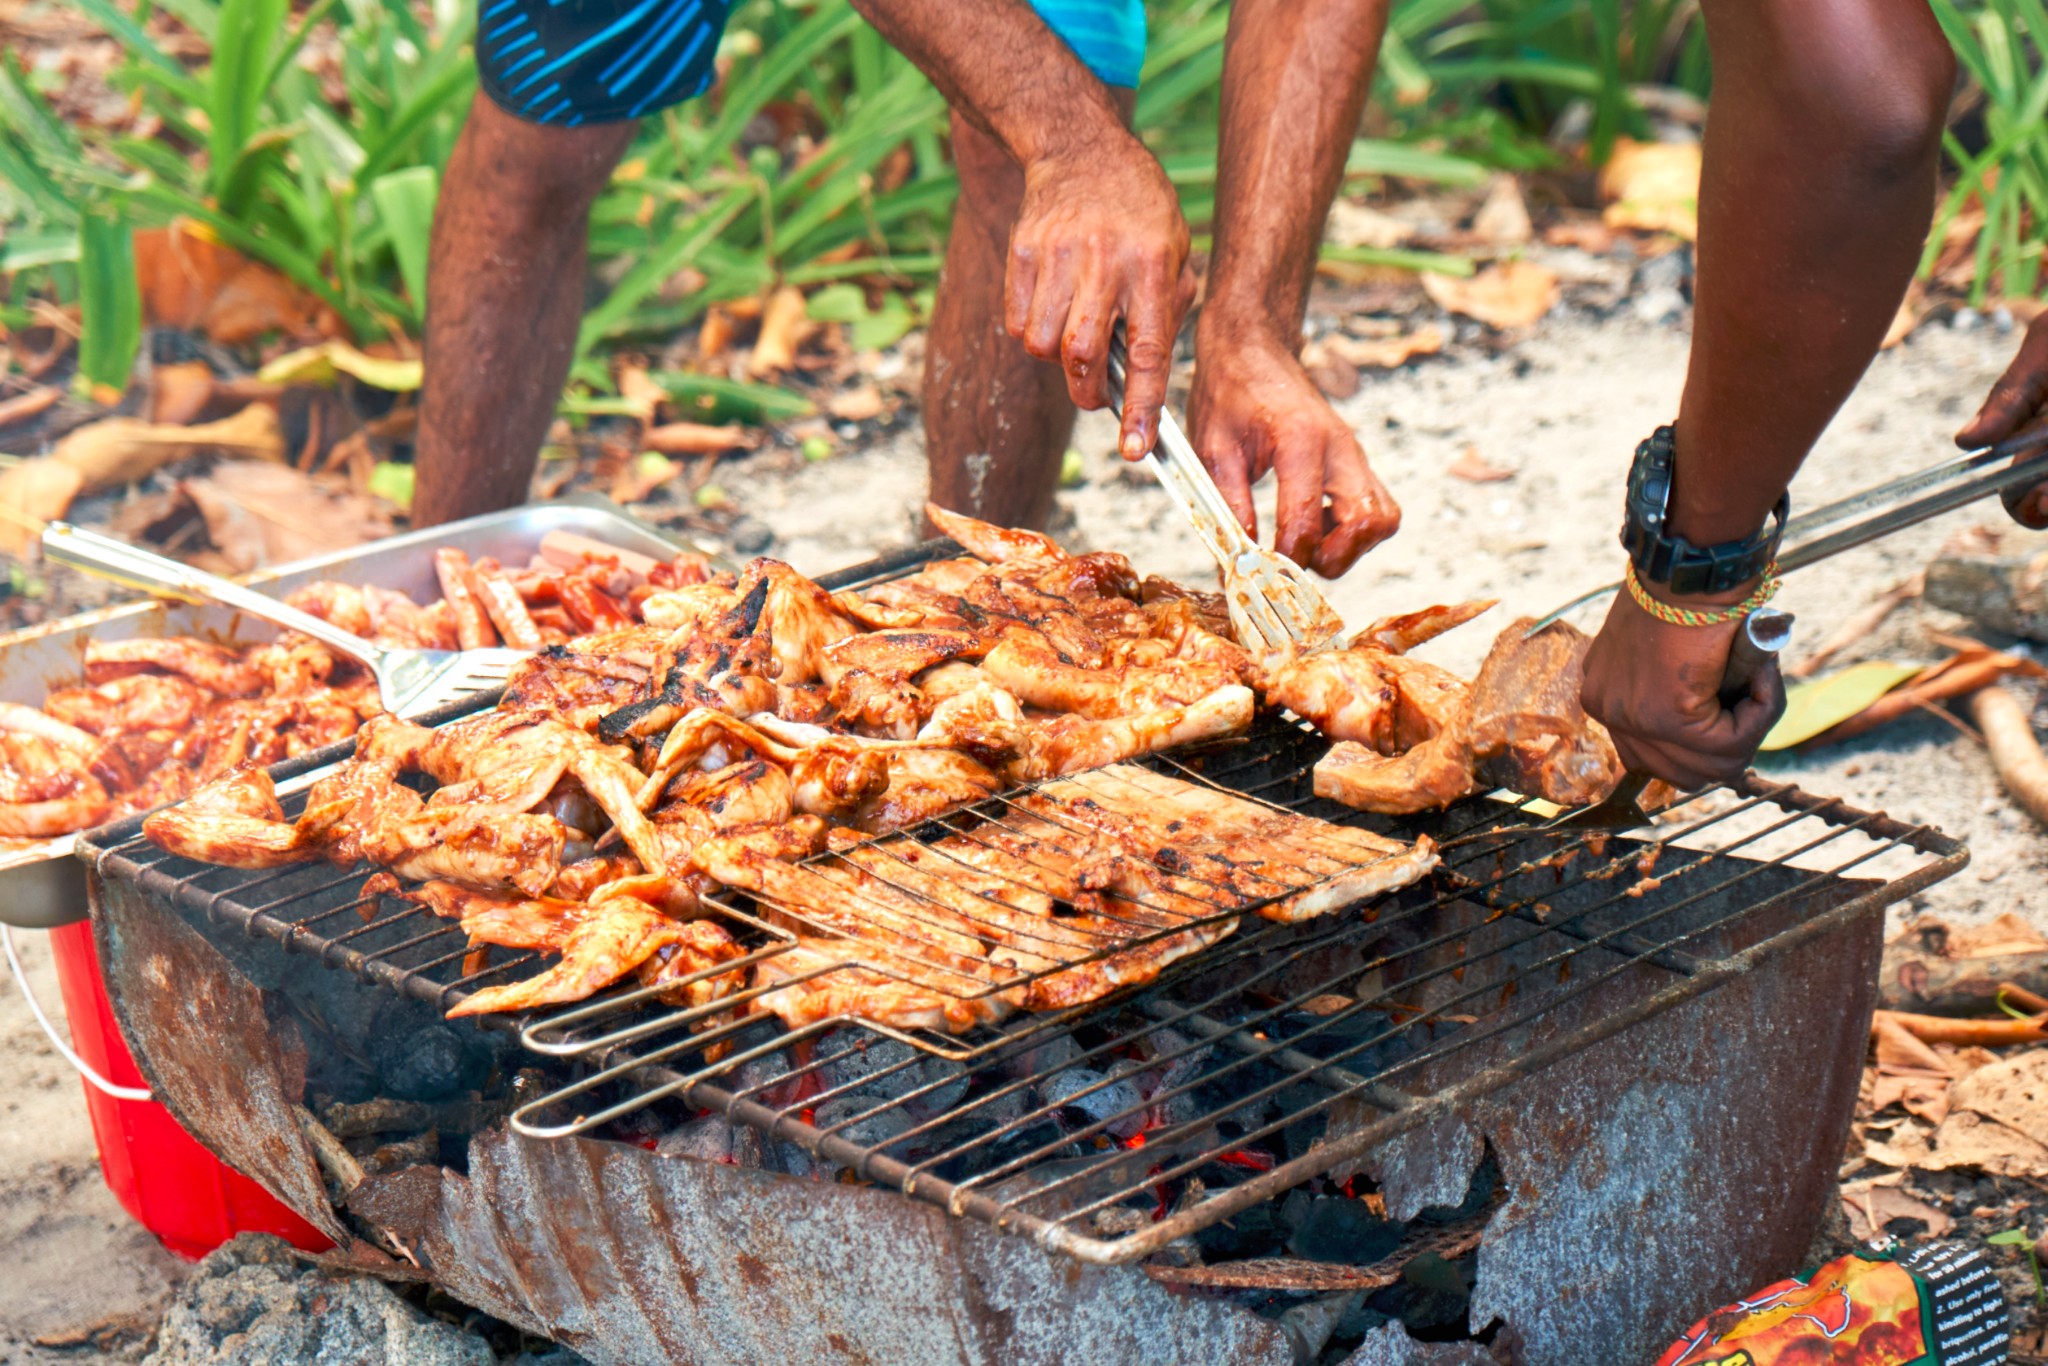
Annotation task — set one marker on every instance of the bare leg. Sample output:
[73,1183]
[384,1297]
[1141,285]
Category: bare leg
[996,422]
[504,294]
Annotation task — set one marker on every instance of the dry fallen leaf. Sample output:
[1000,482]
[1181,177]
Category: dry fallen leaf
[25,405]
[259,515]
[856,405]
[1509,295]
[34,492]
[695,438]
[1653,187]
[179,393]
[1473,469]
[190,281]
[639,477]
[2005,935]
[784,324]
[714,334]
[1355,225]
[1872,1208]
[1503,220]
[1385,353]
[120,450]
[639,390]
[1587,234]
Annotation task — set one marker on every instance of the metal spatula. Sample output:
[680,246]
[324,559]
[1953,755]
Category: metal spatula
[1274,605]
[409,682]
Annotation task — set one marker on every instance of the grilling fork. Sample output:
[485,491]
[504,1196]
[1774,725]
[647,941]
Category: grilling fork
[1274,605]
[409,682]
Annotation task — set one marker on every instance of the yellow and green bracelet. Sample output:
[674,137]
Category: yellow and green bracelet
[1766,589]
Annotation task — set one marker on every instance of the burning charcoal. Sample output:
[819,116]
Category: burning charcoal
[1118,1102]
[1256,1232]
[1040,1053]
[435,1063]
[866,1130]
[709,1139]
[1185,1107]
[1336,1228]
[791,1160]
[888,1069]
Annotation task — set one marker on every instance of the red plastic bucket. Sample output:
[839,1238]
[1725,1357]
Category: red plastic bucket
[174,1187]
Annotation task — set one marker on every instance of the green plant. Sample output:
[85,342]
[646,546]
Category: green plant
[1999,46]
[2017,1237]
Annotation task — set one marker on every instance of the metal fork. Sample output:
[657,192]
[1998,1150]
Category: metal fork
[409,682]
[1274,605]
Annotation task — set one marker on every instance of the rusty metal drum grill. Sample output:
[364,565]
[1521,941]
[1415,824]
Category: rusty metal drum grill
[1654,978]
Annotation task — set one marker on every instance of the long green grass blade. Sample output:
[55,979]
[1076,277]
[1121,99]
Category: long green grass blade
[109,301]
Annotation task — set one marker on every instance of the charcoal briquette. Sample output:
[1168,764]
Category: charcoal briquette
[870,1128]
[1336,1228]
[1118,1102]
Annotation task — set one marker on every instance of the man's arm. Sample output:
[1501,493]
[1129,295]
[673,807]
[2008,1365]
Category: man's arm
[1816,190]
[1295,80]
[1100,236]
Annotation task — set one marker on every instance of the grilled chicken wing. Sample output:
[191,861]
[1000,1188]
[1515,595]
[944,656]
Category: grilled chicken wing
[234,820]
[614,938]
[213,667]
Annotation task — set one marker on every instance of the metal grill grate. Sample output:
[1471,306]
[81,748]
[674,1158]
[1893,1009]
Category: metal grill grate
[1282,1053]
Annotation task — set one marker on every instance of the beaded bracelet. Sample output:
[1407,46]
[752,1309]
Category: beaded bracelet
[1719,616]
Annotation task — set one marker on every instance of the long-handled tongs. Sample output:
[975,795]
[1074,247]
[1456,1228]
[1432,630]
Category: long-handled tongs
[1274,605]
[1876,512]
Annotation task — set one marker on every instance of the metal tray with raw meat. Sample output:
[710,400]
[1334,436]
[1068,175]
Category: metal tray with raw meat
[41,885]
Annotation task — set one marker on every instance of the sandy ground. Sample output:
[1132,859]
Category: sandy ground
[1563,409]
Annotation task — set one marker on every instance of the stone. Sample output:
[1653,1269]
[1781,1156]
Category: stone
[751,536]
[254,1303]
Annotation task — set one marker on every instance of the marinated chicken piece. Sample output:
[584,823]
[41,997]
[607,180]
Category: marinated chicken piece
[1026,665]
[234,821]
[295,665]
[340,605]
[1399,635]
[616,937]
[896,655]
[396,619]
[473,629]
[513,922]
[136,702]
[1288,867]
[749,792]
[686,609]
[883,708]
[1385,701]
[1521,726]
[213,667]
[1067,744]
[507,611]
[809,982]
[923,783]
[573,685]
[1433,774]
[477,846]
[682,967]
[995,544]
[46,790]
[800,619]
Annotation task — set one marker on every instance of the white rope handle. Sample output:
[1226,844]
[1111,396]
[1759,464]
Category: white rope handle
[85,1070]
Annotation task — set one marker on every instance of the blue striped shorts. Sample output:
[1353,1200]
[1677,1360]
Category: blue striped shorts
[570,62]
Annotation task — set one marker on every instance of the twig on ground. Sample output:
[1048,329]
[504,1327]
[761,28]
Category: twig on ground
[2015,753]
[1966,1033]
[1861,624]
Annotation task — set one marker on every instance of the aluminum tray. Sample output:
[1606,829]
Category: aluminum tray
[41,885]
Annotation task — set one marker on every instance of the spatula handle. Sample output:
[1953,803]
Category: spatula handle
[107,558]
[1764,633]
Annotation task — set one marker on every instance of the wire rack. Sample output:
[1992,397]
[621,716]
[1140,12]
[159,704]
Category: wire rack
[1282,1052]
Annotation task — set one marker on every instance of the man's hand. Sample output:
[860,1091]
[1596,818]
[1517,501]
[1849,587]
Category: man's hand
[1657,688]
[1255,409]
[2018,401]
[1100,238]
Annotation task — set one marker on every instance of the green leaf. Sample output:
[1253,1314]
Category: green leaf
[405,200]
[109,301]
[393,483]
[1824,703]
[319,365]
[2012,1237]
[710,398]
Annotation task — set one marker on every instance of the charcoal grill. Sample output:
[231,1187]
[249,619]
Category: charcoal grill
[1280,1055]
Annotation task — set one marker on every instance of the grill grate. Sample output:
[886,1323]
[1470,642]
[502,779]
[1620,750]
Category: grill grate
[1282,1053]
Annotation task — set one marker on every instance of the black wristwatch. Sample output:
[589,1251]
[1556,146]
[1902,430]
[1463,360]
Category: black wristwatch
[1662,558]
